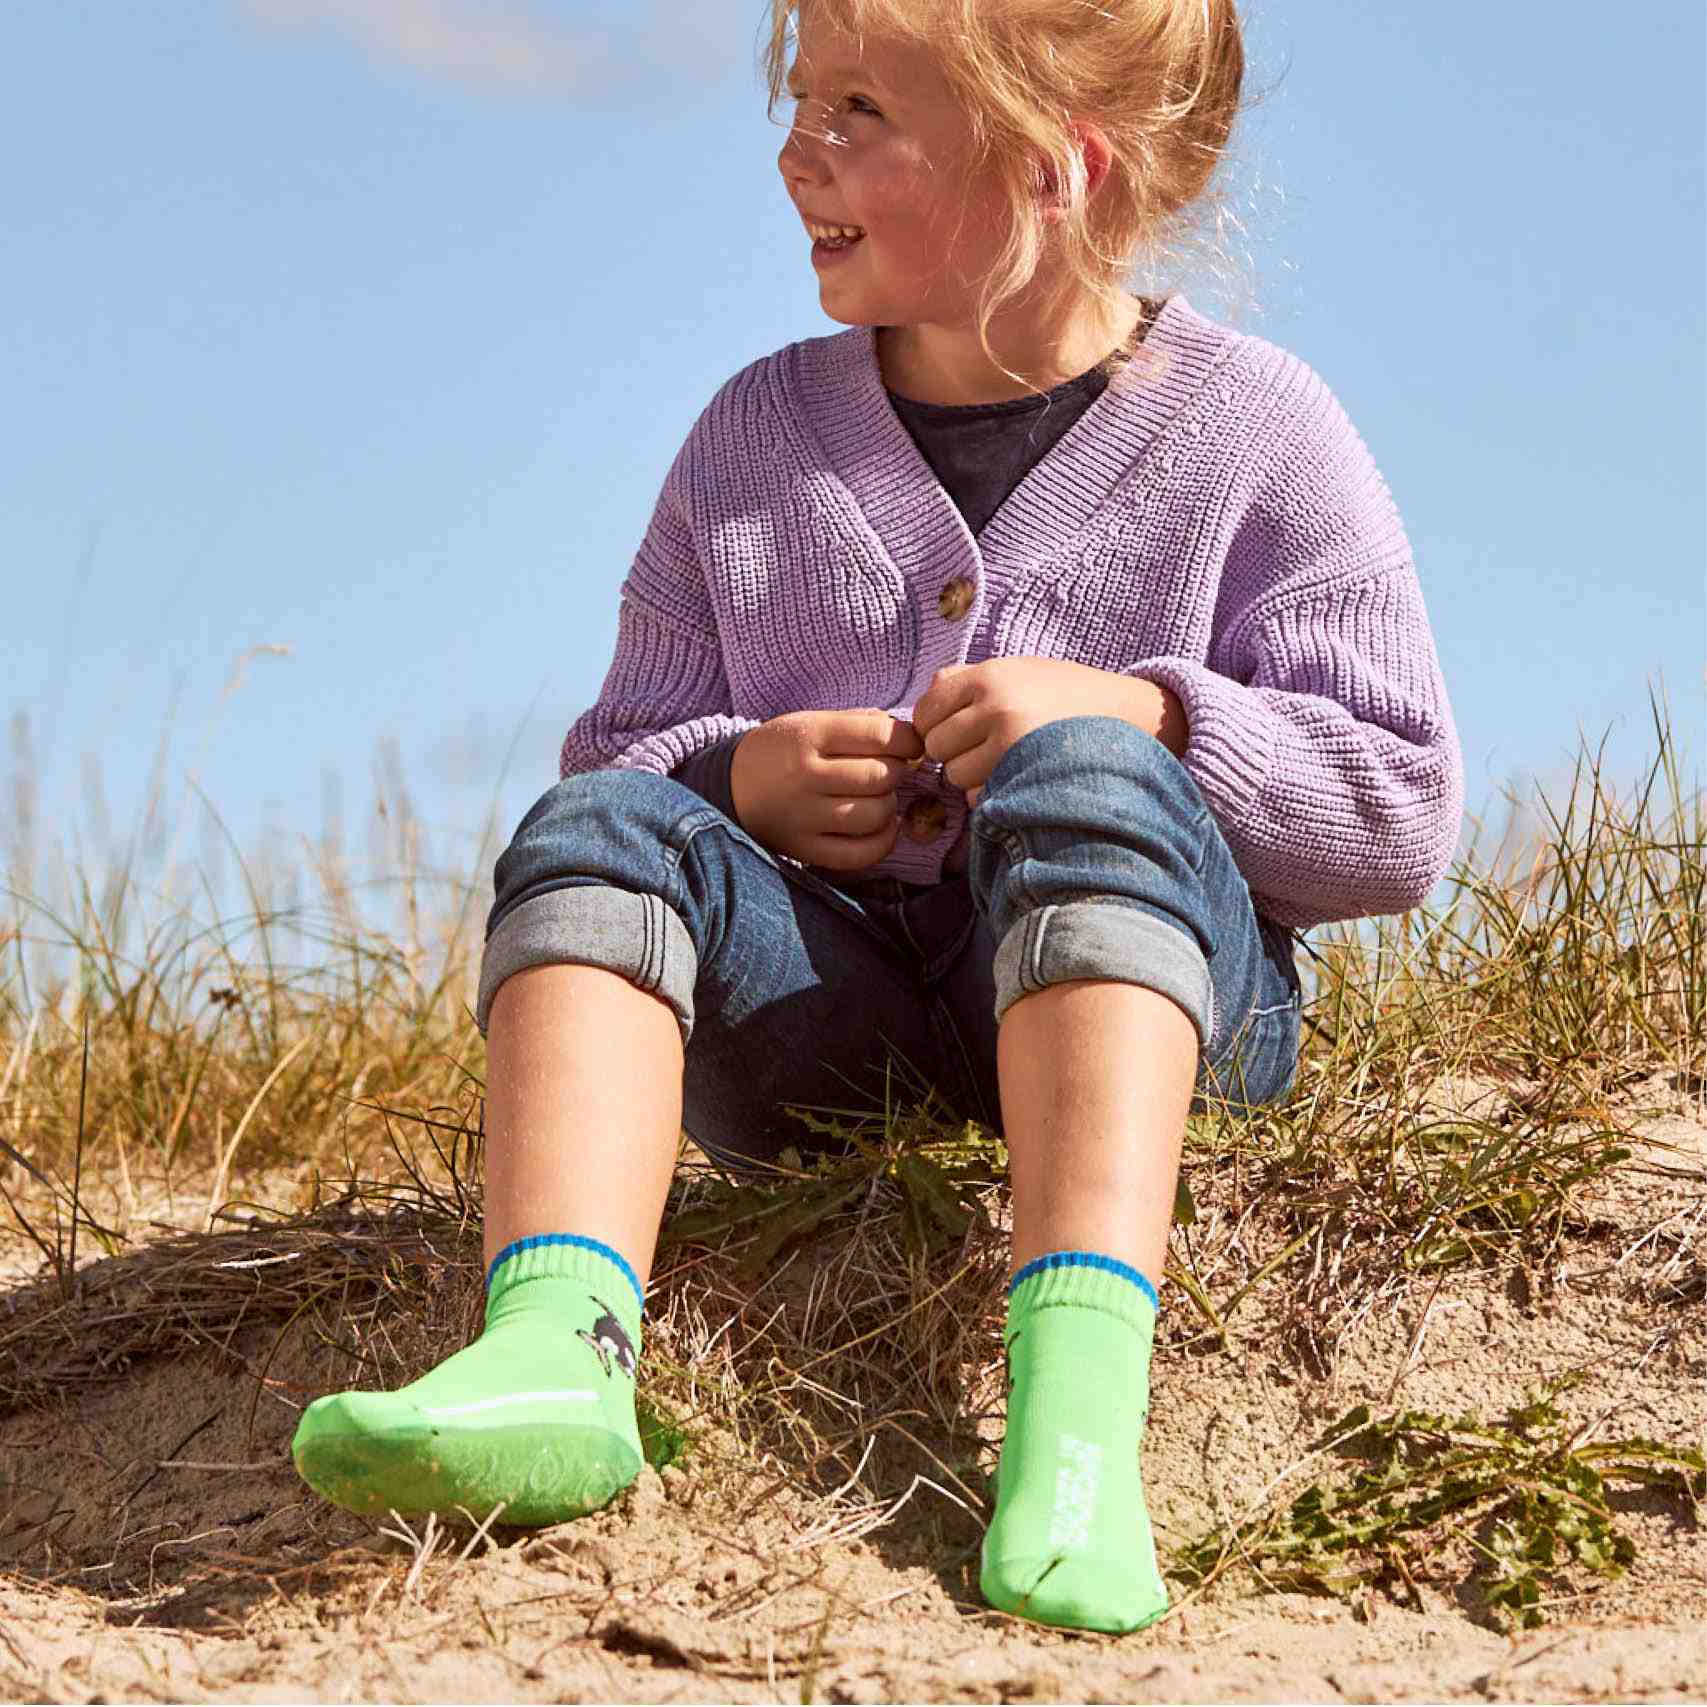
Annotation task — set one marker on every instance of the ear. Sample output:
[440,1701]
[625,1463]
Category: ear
[1098,156]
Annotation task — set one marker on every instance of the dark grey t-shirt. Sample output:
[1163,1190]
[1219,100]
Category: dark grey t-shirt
[979,452]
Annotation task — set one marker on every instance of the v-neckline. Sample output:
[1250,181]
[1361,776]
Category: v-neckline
[867,444]
[916,527]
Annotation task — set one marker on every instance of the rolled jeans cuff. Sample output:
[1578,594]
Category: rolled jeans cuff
[595,924]
[1104,939]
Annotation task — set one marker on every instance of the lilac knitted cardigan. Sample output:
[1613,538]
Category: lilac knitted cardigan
[1212,522]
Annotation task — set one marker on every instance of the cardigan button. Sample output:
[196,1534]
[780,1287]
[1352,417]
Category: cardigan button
[924,820]
[955,599]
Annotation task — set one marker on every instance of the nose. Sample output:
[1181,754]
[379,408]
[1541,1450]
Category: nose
[800,160]
[791,161]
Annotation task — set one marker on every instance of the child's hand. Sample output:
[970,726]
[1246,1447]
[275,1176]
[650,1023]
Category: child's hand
[971,714]
[819,786]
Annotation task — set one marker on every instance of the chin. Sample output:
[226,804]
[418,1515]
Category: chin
[852,308]
[848,316]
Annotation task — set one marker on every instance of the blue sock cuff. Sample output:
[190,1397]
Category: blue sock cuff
[1088,1259]
[540,1240]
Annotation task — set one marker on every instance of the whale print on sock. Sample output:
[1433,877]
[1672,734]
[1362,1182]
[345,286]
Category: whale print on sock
[610,1340]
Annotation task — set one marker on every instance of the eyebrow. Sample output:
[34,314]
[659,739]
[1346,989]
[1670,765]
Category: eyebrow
[837,72]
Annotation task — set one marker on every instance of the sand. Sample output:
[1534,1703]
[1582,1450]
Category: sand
[123,1580]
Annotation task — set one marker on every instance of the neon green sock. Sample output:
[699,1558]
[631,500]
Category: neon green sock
[538,1412]
[1070,1543]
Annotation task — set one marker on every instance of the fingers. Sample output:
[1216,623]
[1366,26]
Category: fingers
[858,733]
[905,742]
[858,777]
[863,817]
[856,833]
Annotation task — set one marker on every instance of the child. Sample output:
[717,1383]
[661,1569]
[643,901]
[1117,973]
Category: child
[1156,681]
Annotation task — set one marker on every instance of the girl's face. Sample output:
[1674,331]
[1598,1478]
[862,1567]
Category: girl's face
[878,143]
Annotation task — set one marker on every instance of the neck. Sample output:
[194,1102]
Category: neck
[935,363]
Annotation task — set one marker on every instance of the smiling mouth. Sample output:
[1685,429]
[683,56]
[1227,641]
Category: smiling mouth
[835,236]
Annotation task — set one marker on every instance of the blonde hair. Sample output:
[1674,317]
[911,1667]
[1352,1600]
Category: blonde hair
[1162,78]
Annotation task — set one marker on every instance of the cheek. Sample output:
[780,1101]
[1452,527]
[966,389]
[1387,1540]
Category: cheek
[897,188]
[915,230]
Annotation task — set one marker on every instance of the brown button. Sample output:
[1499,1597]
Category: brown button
[955,599]
[924,819]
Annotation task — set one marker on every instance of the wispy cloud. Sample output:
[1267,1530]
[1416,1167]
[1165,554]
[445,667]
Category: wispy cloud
[476,41]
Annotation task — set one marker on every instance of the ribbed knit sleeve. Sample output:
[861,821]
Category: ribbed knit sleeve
[1322,738]
[665,696]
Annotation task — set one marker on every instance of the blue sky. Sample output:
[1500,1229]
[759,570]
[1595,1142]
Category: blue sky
[365,330]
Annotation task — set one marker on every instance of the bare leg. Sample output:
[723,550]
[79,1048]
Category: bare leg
[584,1114]
[1096,1079]
[583,1110]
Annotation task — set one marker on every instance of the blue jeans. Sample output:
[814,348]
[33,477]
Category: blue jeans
[1093,855]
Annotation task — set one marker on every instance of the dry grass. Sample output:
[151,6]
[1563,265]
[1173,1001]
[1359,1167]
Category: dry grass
[186,1059]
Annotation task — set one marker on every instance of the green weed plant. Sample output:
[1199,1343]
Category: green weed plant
[929,1173]
[1526,1497]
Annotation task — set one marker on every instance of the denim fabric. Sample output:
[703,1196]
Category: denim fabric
[1093,856]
